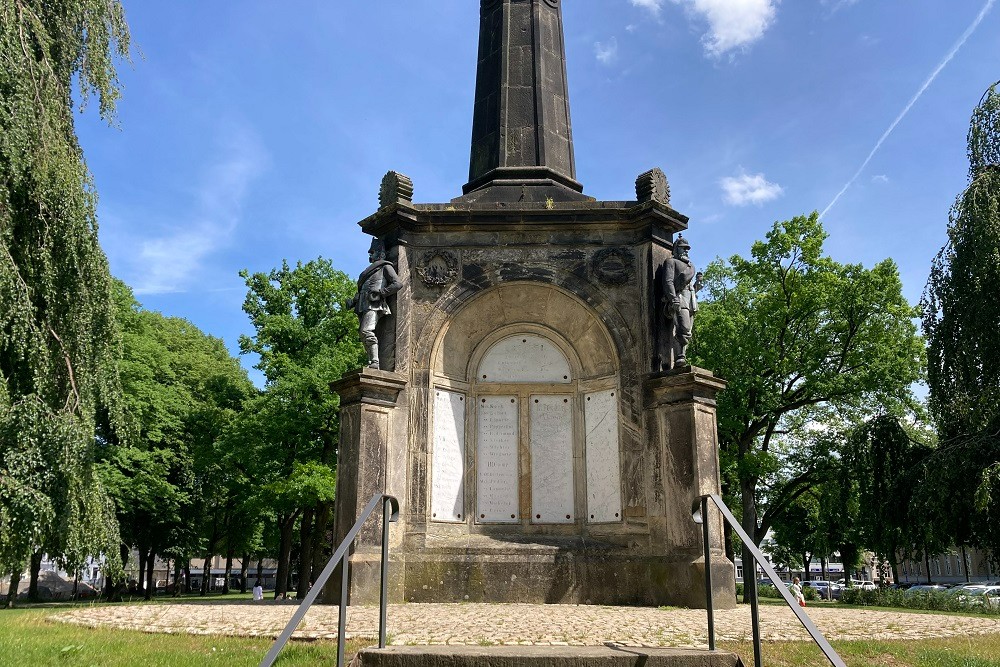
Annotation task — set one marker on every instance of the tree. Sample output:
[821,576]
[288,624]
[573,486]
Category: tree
[883,465]
[59,344]
[171,482]
[306,339]
[961,320]
[801,340]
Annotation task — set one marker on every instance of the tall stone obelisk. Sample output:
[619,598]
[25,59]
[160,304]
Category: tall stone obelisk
[539,452]
[522,138]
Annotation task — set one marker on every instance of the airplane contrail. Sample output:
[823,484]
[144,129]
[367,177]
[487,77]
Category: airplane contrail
[951,54]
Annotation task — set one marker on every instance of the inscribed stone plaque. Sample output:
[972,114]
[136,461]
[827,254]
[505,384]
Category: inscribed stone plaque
[496,460]
[551,435]
[447,488]
[604,500]
[524,358]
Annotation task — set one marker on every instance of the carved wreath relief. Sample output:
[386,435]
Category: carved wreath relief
[438,267]
[613,266]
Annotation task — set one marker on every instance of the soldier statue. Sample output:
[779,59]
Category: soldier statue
[680,284]
[376,283]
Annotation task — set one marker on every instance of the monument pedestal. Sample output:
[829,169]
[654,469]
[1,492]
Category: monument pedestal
[681,424]
[534,457]
[368,399]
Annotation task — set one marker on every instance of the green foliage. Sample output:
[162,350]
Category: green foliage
[306,339]
[59,343]
[925,600]
[961,319]
[802,340]
[883,466]
[182,391]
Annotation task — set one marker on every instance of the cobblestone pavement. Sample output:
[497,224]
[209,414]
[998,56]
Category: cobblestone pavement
[525,624]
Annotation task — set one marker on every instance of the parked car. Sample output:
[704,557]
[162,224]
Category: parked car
[827,590]
[925,588]
[976,594]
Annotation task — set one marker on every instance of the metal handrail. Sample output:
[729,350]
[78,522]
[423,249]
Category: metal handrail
[390,513]
[700,514]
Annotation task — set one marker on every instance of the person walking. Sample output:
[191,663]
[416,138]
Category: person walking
[796,590]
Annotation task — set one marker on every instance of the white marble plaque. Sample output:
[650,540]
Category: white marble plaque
[604,493]
[496,460]
[524,358]
[551,436]
[448,471]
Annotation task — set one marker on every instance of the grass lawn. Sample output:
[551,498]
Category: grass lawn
[981,651]
[28,639]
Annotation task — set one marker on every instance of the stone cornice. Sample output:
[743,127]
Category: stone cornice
[566,216]
[370,386]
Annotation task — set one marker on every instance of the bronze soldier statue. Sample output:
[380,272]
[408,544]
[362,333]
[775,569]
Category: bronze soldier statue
[680,283]
[376,283]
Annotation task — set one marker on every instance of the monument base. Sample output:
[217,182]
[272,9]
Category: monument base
[550,571]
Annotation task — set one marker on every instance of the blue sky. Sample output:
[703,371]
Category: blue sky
[252,131]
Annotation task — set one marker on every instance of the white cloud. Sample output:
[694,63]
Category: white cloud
[880,178]
[171,262]
[732,24]
[749,189]
[653,6]
[606,52]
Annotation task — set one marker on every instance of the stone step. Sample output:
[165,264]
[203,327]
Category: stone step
[542,656]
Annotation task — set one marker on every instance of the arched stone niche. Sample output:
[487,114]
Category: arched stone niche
[524,303]
[524,427]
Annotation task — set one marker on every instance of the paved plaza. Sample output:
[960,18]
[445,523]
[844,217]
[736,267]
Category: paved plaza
[523,624]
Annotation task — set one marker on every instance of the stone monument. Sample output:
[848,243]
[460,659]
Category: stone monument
[531,411]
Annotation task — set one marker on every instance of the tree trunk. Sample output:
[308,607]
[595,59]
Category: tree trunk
[206,572]
[76,585]
[322,550]
[34,569]
[15,581]
[286,524]
[112,588]
[187,575]
[177,577]
[306,537]
[207,569]
[260,571]
[150,581]
[229,571]
[750,526]
[965,564]
[244,567]
[927,562]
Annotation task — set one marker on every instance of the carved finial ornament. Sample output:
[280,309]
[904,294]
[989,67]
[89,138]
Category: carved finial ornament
[653,185]
[396,189]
